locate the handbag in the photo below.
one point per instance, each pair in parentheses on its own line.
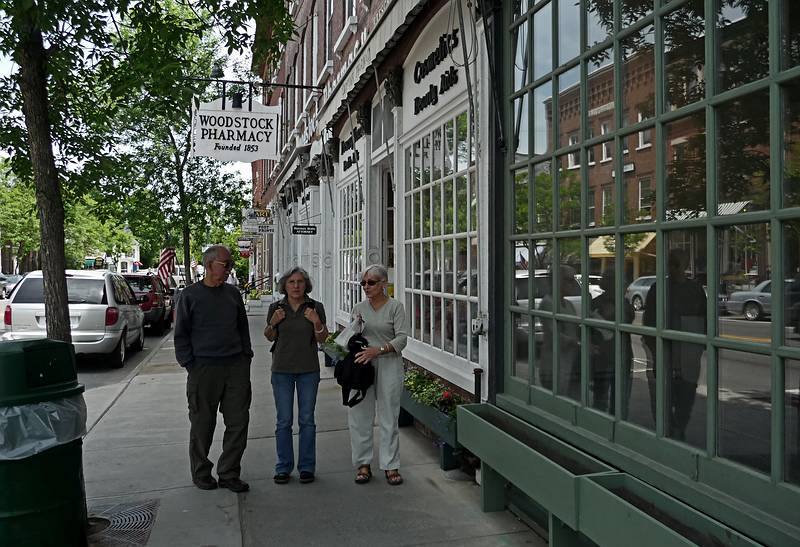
(354,376)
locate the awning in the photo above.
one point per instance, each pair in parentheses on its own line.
(603,246)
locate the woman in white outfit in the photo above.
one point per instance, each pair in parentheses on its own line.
(384,322)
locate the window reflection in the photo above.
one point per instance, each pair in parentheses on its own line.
(791,143)
(745,408)
(684,51)
(743,154)
(521,281)
(791,269)
(519,43)
(521,141)
(521,188)
(685,160)
(639,408)
(569,183)
(742,31)
(566,338)
(638,93)
(569,106)
(542,41)
(599,21)
(790,34)
(685,372)
(600,71)
(633,10)
(521,335)
(541,264)
(640,267)
(569,28)
(543,197)
(791,424)
(744,269)
(685,291)
(542,118)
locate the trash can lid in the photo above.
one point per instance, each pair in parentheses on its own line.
(33,371)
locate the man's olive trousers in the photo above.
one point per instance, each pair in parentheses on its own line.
(224,385)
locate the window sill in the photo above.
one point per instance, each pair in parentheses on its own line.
(644,146)
(327,69)
(606,160)
(573,167)
(350,26)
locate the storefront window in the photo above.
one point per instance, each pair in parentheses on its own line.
(351,235)
(444,247)
(685,337)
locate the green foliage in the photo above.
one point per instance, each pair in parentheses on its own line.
(427,390)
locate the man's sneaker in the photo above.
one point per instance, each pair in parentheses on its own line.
(234,485)
(306,477)
(205,483)
(281,478)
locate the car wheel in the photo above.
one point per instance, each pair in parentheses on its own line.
(117,356)
(138,345)
(752,311)
(637,303)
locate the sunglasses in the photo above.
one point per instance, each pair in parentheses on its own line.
(228,263)
(370,282)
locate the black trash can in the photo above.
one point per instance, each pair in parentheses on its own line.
(42,423)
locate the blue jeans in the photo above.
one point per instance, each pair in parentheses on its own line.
(283,387)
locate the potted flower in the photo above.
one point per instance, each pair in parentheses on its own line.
(266,295)
(253,299)
(433,404)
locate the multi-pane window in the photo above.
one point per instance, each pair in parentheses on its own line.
(441,238)
(713,276)
(351,237)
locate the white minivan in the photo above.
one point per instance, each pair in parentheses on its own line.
(104,313)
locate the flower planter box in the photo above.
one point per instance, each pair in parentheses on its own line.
(611,503)
(253,303)
(545,468)
(266,298)
(442,425)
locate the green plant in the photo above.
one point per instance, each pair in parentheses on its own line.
(253,295)
(427,390)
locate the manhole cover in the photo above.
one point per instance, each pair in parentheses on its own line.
(130,523)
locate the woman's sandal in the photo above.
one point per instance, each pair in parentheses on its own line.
(393,477)
(364,474)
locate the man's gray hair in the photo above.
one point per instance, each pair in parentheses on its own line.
(285,277)
(378,270)
(212,253)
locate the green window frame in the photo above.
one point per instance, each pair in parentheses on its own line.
(704,99)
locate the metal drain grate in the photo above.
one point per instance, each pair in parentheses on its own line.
(130,524)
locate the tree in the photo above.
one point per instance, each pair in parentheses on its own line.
(75,69)
(19,223)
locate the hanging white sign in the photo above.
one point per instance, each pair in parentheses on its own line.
(235,134)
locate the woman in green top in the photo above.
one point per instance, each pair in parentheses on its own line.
(295,324)
(384,321)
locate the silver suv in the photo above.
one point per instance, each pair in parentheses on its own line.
(104,313)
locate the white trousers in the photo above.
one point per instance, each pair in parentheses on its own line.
(386,392)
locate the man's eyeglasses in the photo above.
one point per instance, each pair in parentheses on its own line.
(228,264)
(370,282)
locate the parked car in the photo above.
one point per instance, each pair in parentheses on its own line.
(541,287)
(754,303)
(104,313)
(636,293)
(11,281)
(154,300)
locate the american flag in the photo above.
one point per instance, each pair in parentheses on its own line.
(166,263)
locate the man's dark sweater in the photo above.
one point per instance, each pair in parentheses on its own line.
(211,325)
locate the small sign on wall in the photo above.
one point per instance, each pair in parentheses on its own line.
(304,230)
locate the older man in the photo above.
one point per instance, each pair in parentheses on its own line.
(212,341)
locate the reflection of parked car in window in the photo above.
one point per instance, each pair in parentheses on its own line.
(104,313)
(541,287)
(154,300)
(757,302)
(636,293)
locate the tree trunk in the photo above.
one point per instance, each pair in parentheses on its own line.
(32,59)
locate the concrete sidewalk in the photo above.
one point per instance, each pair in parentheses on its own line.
(137,473)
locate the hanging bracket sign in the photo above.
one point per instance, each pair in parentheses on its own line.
(304,230)
(235,134)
